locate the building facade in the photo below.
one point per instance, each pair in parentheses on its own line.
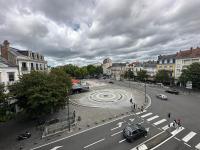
(151,68)
(24,59)
(118,70)
(106,64)
(8,72)
(167,62)
(186,58)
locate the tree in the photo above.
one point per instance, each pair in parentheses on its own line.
(129,74)
(163,76)
(3,103)
(192,73)
(91,70)
(39,93)
(142,75)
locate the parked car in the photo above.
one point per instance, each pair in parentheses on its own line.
(134,131)
(172,91)
(23,136)
(111,82)
(161,96)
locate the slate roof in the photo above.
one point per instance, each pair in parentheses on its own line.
(171,56)
(4,61)
(192,53)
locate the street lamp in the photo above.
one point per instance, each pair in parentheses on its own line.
(145,90)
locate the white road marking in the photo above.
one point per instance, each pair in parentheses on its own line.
(177,139)
(197,146)
(148,114)
(189,136)
(159,122)
(187,144)
(132,119)
(116,133)
(140,147)
(173,134)
(138,113)
(119,126)
(176,131)
(94,143)
(152,118)
(81,132)
(57,147)
(148,140)
(122,140)
(167,126)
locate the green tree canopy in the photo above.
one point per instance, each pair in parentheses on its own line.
(192,73)
(129,74)
(163,76)
(142,75)
(39,93)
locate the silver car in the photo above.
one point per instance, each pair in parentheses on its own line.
(161,96)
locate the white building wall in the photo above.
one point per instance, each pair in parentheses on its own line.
(181,64)
(4,74)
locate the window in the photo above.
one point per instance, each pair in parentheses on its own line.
(11,76)
(41,67)
(24,67)
(36,66)
(0,76)
(32,68)
(160,62)
(165,61)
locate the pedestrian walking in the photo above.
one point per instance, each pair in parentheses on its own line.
(169,115)
(131,101)
(174,123)
(142,108)
(179,123)
(134,106)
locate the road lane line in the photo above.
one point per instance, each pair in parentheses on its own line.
(152,118)
(176,131)
(167,126)
(116,133)
(187,144)
(148,114)
(159,122)
(122,140)
(82,131)
(177,139)
(197,146)
(114,128)
(94,143)
(135,148)
(141,112)
(189,136)
(140,147)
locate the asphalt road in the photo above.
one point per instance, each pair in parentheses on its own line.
(160,136)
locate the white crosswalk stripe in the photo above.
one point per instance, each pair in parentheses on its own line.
(148,114)
(138,113)
(167,126)
(152,118)
(189,136)
(176,131)
(160,121)
(197,146)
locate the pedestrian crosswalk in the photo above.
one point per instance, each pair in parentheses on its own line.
(163,124)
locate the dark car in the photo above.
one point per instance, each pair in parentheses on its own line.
(111,82)
(23,136)
(134,131)
(172,91)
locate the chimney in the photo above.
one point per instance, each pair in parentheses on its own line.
(4,49)
(191,48)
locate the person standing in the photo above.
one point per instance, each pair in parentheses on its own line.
(179,123)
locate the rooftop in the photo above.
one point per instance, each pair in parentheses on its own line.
(192,53)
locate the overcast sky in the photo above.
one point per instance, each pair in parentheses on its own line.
(87,31)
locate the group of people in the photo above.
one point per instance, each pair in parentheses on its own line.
(177,123)
(134,106)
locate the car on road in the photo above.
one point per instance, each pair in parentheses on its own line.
(161,96)
(172,91)
(134,131)
(111,82)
